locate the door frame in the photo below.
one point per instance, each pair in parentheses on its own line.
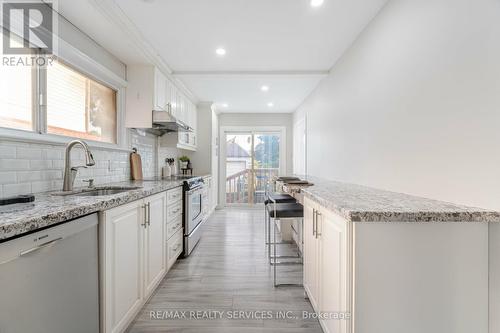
(246,130)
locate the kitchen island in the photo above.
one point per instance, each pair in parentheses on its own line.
(379,261)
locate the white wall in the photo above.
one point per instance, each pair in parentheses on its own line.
(414,105)
(267,119)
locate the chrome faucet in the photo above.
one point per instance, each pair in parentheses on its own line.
(69,171)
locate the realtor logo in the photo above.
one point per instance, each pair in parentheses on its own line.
(27,27)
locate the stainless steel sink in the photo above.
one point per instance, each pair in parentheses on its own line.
(98,191)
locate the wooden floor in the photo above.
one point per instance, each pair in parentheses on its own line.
(228,272)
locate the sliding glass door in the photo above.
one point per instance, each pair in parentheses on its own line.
(251,160)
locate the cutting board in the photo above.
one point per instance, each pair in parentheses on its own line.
(135,166)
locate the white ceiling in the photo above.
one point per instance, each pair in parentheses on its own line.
(242,92)
(285,44)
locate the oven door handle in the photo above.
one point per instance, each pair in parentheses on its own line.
(191,192)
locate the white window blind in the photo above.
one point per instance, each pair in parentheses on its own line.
(78,106)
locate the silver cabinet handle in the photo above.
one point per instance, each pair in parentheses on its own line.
(318,234)
(145,224)
(39,247)
(314,222)
(149,213)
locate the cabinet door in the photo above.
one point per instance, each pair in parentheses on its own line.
(310,255)
(160,91)
(174,250)
(122,265)
(155,241)
(332,235)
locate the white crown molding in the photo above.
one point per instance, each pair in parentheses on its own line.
(230,74)
(116,15)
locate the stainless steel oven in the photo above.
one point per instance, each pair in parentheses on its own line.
(193,213)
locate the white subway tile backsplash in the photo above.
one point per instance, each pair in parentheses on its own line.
(28,153)
(16,189)
(14,164)
(40,164)
(42,186)
(26,168)
(52,154)
(7,151)
(28,176)
(8,177)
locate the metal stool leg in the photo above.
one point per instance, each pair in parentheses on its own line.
(276,263)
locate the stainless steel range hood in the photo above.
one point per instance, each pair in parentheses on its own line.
(165,122)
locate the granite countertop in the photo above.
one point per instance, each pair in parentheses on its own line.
(359,203)
(48,209)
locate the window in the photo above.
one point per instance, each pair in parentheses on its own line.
(78,106)
(16,106)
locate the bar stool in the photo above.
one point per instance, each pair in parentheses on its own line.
(277,198)
(283,211)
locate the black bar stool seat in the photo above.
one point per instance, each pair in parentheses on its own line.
(282,179)
(279,198)
(286,210)
(279,212)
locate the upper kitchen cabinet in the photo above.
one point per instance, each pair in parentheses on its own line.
(185,111)
(146,91)
(149,89)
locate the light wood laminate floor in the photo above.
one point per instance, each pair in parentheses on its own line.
(227,272)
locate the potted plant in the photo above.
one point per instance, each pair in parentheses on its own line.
(184,160)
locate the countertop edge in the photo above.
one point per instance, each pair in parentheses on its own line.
(26,225)
(475,215)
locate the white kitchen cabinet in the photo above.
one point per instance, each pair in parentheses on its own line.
(210,194)
(174,248)
(146,91)
(122,237)
(326,271)
(193,118)
(174,234)
(155,241)
(333,276)
(311,254)
(396,277)
(160,91)
(186,112)
(133,258)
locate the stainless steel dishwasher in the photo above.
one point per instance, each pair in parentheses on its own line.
(49,280)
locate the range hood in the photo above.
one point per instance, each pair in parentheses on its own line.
(165,122)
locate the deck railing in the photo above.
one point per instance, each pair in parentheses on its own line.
(248,186)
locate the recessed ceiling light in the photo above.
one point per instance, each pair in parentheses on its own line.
(224,105)
(221,51)
(270,104)
(316,3)
(264,88)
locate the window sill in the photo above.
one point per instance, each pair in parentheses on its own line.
(50,139)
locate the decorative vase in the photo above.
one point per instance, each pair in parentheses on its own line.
(166,171)
(184,165)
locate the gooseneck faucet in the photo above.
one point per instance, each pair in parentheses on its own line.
(69,171)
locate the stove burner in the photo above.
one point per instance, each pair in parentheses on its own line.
(193,182)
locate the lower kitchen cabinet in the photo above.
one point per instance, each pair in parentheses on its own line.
(395,276)
(133,258)
(311,254)
(326,267)
(154,241)
(174,234)
(334,296)
(174,245)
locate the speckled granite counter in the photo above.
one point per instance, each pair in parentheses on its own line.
(364,204)
(48,209)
